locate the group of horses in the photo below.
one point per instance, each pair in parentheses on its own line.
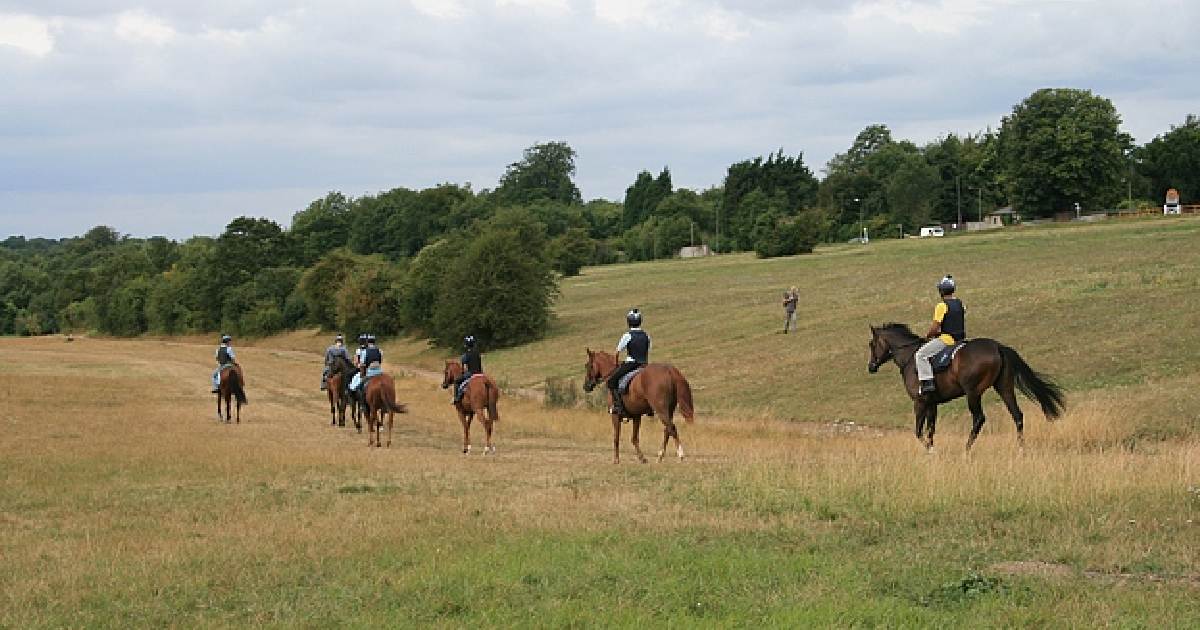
(660,389)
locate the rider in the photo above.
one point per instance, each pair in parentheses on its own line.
(949,327)
(373,361)
(472,364)
(362,349)
(225,358)
(637,344)
(338,349)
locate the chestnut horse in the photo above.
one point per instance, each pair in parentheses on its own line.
(654,391)
(381,400)
(480,397)
(981,364)
(231,387)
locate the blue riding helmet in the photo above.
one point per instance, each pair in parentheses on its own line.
(634,318)
(946,286)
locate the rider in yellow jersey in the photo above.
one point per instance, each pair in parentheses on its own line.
(949,327)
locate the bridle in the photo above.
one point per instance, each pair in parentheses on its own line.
(891,354)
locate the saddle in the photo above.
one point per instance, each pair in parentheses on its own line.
(463,386)
(623,384)
(941,361)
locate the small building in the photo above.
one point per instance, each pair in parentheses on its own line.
(1004,216)
(932,230)
(1172,202)
(695,252)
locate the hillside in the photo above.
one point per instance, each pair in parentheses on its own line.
(1112,311)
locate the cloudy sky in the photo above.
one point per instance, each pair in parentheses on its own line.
(173,117)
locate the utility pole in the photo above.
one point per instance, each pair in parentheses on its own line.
(958,196)
(980,189)
(860,215)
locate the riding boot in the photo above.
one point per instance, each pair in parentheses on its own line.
(928,387)
(618,406)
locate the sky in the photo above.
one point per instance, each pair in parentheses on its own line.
(174,117)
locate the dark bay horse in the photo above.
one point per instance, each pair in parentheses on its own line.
(232,386)
(656,390)
(381,400)
(337,385)
(981,364)
(479,397)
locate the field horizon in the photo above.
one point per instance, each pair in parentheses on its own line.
(805,499)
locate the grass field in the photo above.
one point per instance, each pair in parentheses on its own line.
(123,503)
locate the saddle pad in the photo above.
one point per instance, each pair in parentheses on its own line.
(941,361)
(623,385)
(463,386)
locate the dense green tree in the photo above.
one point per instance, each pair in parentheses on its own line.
(644,195)
(1172,160)
(777,175)
(425,282)
(546,171)
(501,287)
(1060,147)
(912,192)
(321,227)
(319,285)
(369,300)
(572,250)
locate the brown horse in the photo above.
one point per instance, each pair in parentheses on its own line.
(381,400)
(480,397)
(232,386)
(981,364)
(654,391)
(337,386)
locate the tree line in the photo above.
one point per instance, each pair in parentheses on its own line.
(447,260)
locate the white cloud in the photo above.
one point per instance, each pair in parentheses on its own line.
(141,27)
(442,9)
(27,33)
(945,17)
(548,6)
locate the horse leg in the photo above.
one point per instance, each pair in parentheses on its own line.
(637,427)
(218,406)
(931,422)
(975,404)
(616,420)
(391,417)
(332,409)
(465,419)
(1010,400)
(239,411)
(919,414)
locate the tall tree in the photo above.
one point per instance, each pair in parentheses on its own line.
(644,195)
(321,227)
(544,172)
(1060,147)
(1172,160)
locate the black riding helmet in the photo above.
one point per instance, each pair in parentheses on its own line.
(634,318)
(469,342)
(226,338)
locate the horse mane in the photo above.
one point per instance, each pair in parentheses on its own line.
(902,331)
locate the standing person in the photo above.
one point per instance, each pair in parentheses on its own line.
(225,358)
(636,343)
(790,298)
(949,327)
(472,363)
(338,349)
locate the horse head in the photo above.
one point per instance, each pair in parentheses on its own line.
(599,365)
(451,372)
(881,350)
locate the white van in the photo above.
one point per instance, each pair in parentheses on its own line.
(933,230)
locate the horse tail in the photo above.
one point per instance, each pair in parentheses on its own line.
(388,396)
(1033,384)
(683,394)
(493,395)
(235,386)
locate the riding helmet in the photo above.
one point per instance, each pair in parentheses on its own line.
(226,338)
(469,341)
(337,339)
(370,338)
(362,339)
(946,285)
(634,318)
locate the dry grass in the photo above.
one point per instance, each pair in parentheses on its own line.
(125,503)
